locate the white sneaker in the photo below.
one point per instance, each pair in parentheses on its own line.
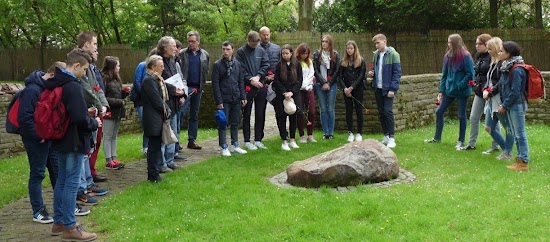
(303,139)
(311,139)
(225,152)
(293,145)
(285,147)
(350,137)
(358,137)
(385,140)
(391,143)
(250,146)
(260,145)
(237,149)
(459,145)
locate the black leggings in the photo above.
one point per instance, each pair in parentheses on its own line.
(354,104)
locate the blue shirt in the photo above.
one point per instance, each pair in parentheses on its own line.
(194,68)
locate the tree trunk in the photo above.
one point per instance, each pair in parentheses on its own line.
(493,16)
(305,9)
(538,14)
(115,23)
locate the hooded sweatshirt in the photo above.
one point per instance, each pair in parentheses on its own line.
(34,85)
(79,133)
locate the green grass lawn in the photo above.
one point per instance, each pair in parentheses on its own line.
(459,195)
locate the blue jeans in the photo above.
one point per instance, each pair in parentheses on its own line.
(440,121)
(194,105)
(40,156)
(86,179)
(233,114)
(327,100)
(516,116)
(145,142)
(491,122)
(64,196)
(170,150)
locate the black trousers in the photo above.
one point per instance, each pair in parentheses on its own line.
(259,98)
(154,157)
(385,112)
(351,105)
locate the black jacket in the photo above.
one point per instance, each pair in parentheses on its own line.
(115,96)
(289,86)
(255,62)
(482,64)
(334,64)
(228,89)
(79,133)
(153,106)
(34,85)
(351,76)
(273,53)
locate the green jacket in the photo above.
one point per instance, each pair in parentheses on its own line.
(93,94)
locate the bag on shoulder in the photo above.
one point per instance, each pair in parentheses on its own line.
(12,123)
(168,135)
(50,117)
(534,88)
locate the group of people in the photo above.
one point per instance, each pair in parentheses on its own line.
(499,94)
(260,72)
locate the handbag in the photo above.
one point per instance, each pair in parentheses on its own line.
(168,136)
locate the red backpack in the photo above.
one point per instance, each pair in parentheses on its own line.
(50,116)
(534,88)
(12,123)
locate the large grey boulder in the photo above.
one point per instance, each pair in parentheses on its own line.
(367,161)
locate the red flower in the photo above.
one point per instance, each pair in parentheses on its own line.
(270,73)
(371,66)
(471,83)
(489,89)
(96,88)
(247,88)
(437,103)
(329,78)
(126,89)
(195,90)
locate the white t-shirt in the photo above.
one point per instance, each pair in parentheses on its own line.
(379,71)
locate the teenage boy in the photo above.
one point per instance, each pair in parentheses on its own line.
(39,151)
(255,63)
(73,146)
(194,67)
(229,95)
(386,76)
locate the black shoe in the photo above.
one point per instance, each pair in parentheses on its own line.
(165,169)
(180,158)
(193,146)
(154,180)
(100,178)
(180,147)
(174,166)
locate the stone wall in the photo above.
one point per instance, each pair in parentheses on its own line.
(414,107)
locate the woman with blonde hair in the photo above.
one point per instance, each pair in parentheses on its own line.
(350,76)
(456,81)
(492,96)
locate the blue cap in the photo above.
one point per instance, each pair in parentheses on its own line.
(220,118)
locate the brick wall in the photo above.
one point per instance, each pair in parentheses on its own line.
(414,107)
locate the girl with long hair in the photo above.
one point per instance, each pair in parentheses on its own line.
(287,83)
(325,62)
(492,96)
(115,95)
(456,83)
(303,54)
(350,78)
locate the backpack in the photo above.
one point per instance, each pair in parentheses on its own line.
(50,116)
(12,123)
(534,88)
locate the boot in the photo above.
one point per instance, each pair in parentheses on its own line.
(57,229)
(76,233)
(520,165)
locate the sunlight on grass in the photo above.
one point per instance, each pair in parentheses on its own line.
(459,195)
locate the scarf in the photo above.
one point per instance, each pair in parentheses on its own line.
(229,65)
(325,55)
(161,82)
(507,64)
